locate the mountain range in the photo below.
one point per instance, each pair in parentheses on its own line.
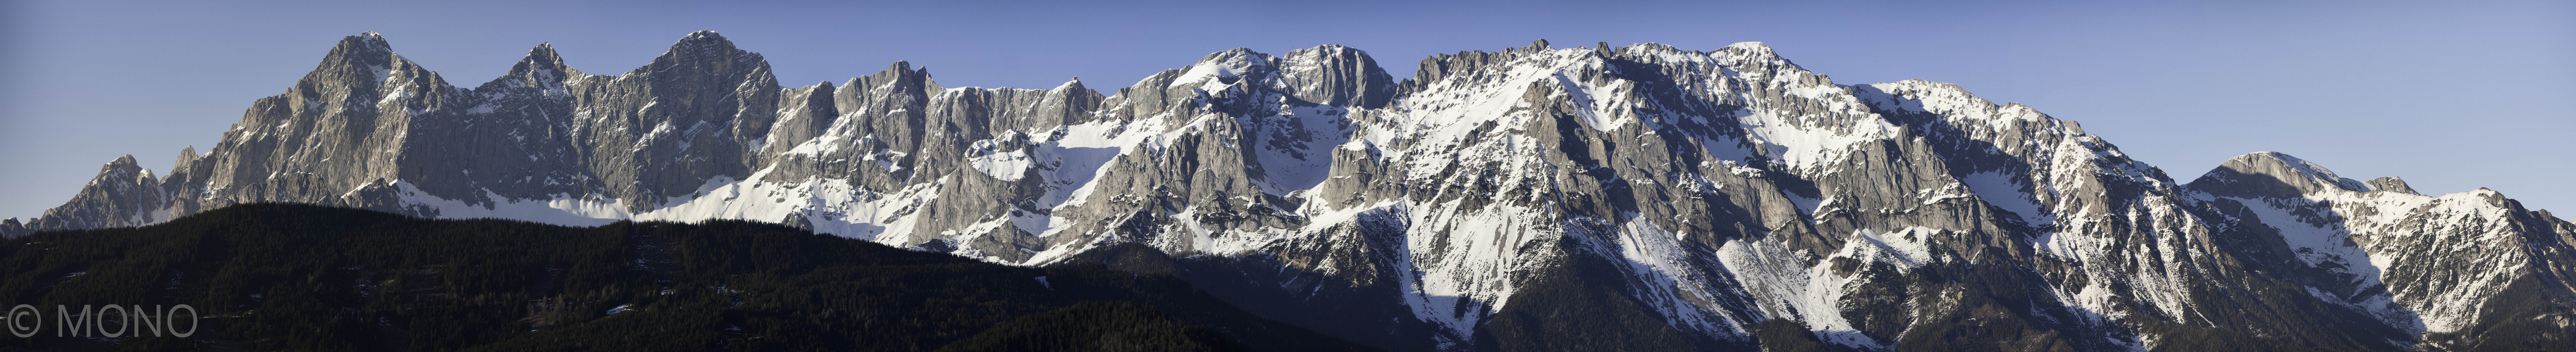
(1642,197)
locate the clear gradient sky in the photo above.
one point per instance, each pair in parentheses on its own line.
(2451,95)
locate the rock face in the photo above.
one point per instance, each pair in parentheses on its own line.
(1640,198)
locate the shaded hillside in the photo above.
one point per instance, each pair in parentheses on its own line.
(294,277)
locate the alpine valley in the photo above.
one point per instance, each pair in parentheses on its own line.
(1539,198)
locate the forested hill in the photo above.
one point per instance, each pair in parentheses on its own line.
(295,277)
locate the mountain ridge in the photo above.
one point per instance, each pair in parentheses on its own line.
(1726,189)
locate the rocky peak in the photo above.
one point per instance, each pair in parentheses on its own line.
(1648,52)
(705,53)
(899,74)
(1437,68)
(186,156)
(803,113)
(1752,48)
(363,72)
(2272,174)
(1067,103)
(363,44)
(1072,85)
(1755,54)
(1337,75)
(1916,95)
(703,40)
(1224,68)
(819,95)
(364,57)
(541,68)
(2390,184)
(543,53)
(899,85)
(123,167)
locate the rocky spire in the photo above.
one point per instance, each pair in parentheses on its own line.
(1072,83)
(122,167)
(355,56)
(363,43)
(541,68)
(123,194)
(187,156)
(1067,103)
(703,51)
(804,113)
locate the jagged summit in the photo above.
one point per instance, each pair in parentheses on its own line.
(904,66)
(899,75)
(1223,69)
(123,165)
(183,167)
(366,51)
(1337,75)
(704,38)
(703,47)
(2272,174)
(367,41)
(543,53)
(1754,52)
(542,68)
(1753,49)
(2390,184)
(1653,48)
(1235,60)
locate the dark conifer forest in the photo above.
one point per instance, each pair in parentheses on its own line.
(295,277)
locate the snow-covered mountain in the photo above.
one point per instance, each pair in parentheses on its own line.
(1643,197)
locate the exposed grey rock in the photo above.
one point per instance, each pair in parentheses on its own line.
(2272,174)
(123,194)
(663,130)
(1338,76)
(804,113)
(2390,184)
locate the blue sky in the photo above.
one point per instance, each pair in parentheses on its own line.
(2450,95)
